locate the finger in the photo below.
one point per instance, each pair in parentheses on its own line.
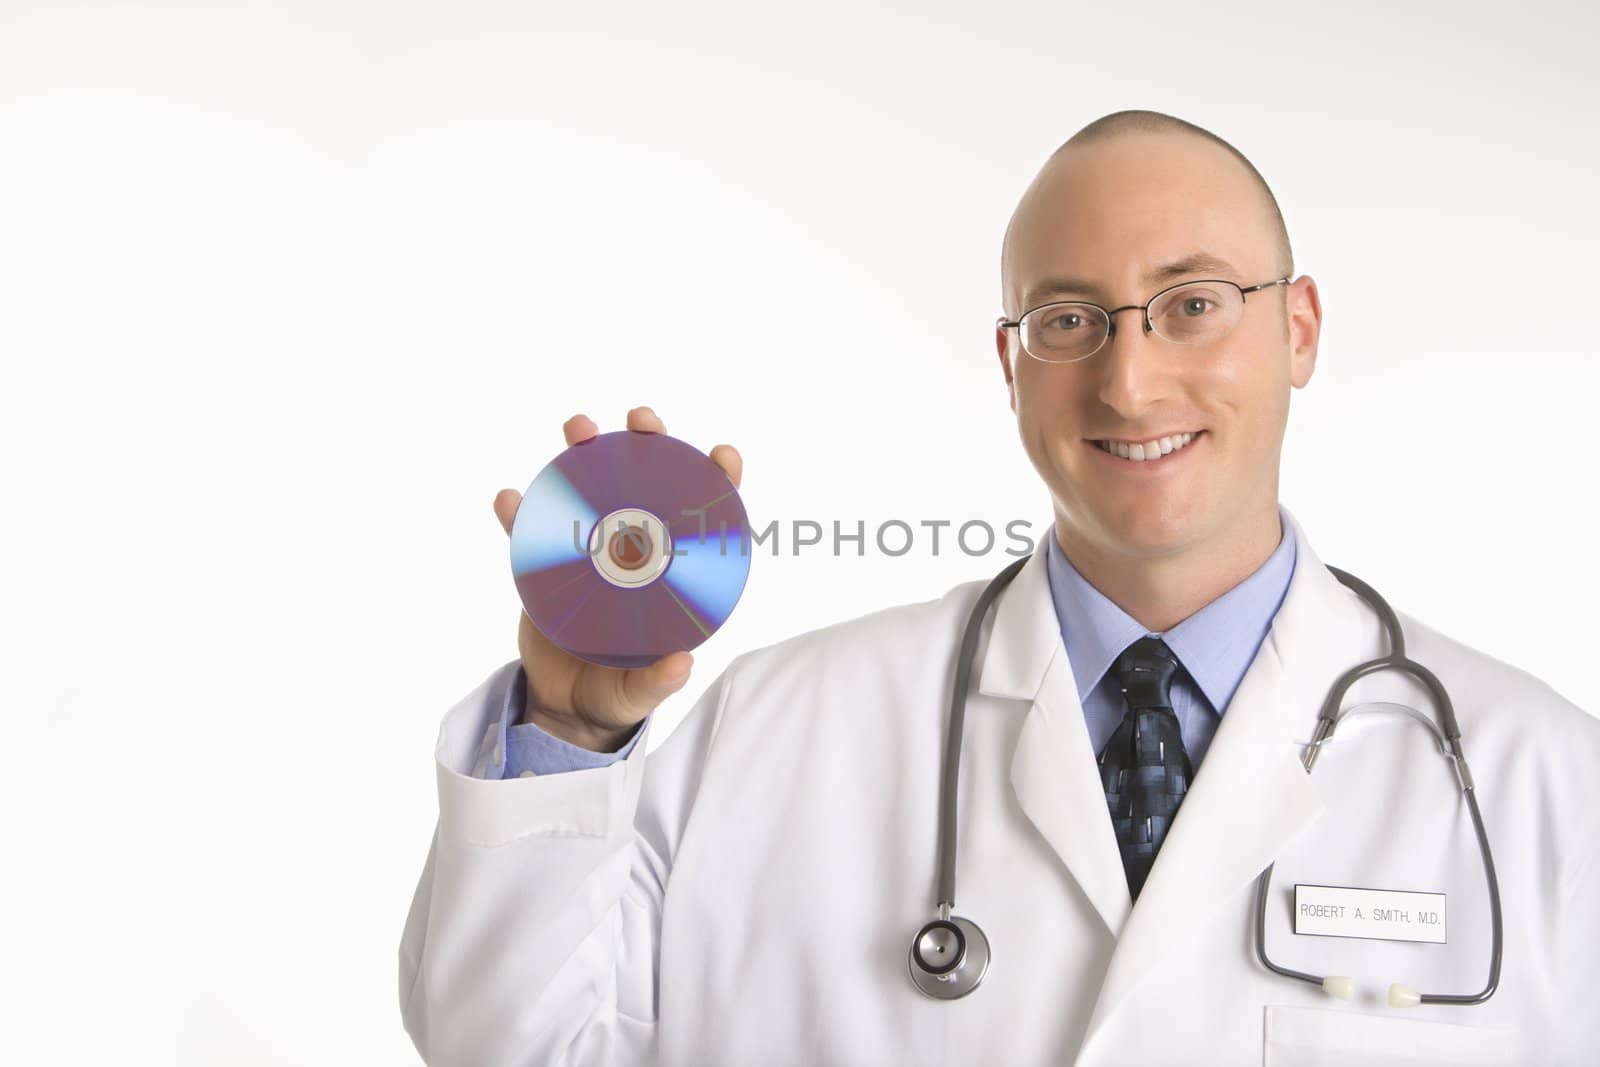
(643,418)
(579,428)
(506,503)
(727,457)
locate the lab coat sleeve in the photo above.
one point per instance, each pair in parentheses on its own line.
(1581,947)
(534,932)
(1575,920)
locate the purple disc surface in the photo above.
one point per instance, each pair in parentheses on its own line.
(630,546)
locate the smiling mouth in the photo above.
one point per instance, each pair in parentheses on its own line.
(1148,451)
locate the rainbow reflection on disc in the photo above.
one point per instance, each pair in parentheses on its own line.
(630,546)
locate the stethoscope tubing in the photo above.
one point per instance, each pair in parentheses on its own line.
(1327,720)
(952,747)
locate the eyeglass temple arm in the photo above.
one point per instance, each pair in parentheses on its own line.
(1264,285)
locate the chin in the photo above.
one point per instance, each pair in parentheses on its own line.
(1149,533)
(1153,525)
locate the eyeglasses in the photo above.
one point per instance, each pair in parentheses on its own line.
(1189,313)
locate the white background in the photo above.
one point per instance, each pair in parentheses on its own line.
(289,291)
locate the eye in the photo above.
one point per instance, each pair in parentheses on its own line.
(1195,306)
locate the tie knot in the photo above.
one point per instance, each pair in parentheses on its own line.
(1145,671)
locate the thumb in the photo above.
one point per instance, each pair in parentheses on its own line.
(646,687)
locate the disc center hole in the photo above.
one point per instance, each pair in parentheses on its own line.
(630,547)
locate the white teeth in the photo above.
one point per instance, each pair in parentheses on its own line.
(1147,449)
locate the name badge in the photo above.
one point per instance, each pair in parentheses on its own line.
(1382,914)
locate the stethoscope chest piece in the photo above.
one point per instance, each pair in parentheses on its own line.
(948,958)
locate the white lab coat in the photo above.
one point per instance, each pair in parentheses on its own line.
(748,893)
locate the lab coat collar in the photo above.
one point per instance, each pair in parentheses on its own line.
(1250,797)
(1053,768)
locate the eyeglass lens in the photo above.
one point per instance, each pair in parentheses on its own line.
(1190,314)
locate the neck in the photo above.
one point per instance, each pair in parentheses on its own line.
(1160,591)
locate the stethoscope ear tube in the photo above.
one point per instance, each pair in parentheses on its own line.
(1449,733)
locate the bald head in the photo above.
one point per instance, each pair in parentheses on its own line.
(1152,149)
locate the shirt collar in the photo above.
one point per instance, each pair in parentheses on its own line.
(1216,644)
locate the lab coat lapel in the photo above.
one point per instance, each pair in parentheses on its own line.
(1251,794)
(1053,768)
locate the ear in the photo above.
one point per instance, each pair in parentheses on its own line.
(1304,308)
(1002,344)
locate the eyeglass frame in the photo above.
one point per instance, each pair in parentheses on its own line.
(1111,323)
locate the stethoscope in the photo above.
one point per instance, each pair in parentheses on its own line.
(950,955)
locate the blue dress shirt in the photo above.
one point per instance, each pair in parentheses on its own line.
(1216,645)
(526,748)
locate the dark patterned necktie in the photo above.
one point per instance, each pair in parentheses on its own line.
(1144,767)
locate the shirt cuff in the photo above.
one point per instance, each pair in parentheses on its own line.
(526,749)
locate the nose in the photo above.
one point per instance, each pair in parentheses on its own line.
(1132,374)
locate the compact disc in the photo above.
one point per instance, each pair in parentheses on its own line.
(630,546)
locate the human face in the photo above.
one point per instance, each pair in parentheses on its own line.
(1110,216)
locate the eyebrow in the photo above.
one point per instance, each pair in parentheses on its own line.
(1193,263)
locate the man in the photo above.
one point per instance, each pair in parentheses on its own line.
(1135,723)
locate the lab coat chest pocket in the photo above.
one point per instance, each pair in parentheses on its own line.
(1323,1037)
